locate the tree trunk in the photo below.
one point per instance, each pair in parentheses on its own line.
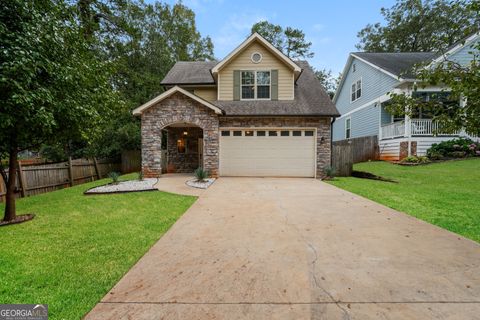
(10,210)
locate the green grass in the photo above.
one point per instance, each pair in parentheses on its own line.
(446,194)
(77,247)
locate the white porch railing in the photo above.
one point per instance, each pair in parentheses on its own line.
(393,130)
(418,127)
(427,127)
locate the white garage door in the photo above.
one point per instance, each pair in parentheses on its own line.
(267,153)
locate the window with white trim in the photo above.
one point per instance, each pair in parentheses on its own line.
(255,85)
(356,90)
(348,128)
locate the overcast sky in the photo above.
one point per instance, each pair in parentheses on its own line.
(331,26)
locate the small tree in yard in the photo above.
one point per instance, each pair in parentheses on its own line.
(52,87)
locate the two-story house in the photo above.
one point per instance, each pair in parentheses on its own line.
(364,90)
(254,113)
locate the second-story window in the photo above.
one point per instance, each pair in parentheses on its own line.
(255,84)
(356,90)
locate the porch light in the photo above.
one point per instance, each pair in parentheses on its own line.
(185,133)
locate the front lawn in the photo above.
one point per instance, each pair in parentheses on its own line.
(445,194)
(78,247)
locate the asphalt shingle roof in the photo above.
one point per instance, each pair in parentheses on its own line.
(398,63)
(190,72)
(311,99)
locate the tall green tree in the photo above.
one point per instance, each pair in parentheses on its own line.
(458,106)
(155,37)
(52,86)
(290,41)
(418,25)
(328,81)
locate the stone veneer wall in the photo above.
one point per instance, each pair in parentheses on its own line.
(183,162)
(177,109)
(322,124)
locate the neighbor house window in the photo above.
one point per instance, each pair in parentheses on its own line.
(348,128)
(356,90)
(255,84)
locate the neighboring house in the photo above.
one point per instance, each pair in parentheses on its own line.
(364,90)
(255,113)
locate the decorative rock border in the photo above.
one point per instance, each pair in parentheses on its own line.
(200,184)
(147,184)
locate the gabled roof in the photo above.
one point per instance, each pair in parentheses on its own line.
(168,93)
(398,64)
(439,57)
(190,72)
(256,37)
(311,99)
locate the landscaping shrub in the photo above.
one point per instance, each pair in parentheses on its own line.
(140,175)
(456,148)
(415,159)
(201,174)
(114,176)
(330,172)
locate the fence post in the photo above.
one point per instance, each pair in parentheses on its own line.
(21,179)
(70,171)
(96,168)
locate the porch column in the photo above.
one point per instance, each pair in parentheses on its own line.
(408,126)
(151,148)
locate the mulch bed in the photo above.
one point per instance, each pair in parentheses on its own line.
(18,219)
(371,176)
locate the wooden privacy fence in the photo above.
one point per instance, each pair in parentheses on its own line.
(132,161)
(34,179)
(342,159)
(347,152)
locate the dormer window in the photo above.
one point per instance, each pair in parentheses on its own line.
(255,85)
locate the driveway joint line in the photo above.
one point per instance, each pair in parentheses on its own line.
(289,303)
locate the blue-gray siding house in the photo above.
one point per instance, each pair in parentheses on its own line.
(366,83)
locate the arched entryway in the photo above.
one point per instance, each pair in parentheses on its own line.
(182,147)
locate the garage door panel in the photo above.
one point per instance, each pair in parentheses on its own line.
(267,156)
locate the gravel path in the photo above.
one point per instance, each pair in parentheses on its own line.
(126,186)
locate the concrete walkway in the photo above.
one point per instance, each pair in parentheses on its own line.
(253,248)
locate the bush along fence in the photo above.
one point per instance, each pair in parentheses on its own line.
(34,178)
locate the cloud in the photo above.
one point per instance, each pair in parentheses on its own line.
(318,27)
(235,30)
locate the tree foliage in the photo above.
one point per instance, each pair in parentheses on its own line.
(458,106)
(290,41)
(52,86)
(419,25)
(328,81)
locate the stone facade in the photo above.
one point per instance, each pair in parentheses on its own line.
(321,124)
(177,109)
(189,160)
(404,149)
(181,109)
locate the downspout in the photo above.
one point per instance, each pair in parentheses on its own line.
(331,140)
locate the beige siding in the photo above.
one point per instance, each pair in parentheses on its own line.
(243,62)
(209,94)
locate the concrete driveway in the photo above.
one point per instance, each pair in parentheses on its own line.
(253,248)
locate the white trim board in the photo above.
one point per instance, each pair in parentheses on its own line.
(256,37)
(380,99)
(168,93)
